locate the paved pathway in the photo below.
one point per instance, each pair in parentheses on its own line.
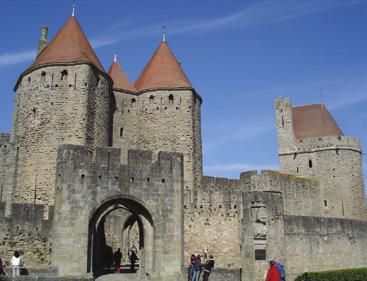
(120,277)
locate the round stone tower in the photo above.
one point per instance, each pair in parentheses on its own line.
(312,145)
(124,119)
(167,110)
(63,97)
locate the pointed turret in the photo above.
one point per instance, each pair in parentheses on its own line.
(120,79)
(70,45)
(162,72)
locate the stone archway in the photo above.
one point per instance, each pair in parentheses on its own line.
(97,246)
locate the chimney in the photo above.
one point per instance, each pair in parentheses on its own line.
(43,43)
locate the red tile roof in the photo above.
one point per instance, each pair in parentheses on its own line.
(162,71)
(69,45)
(313,121)
(120,79)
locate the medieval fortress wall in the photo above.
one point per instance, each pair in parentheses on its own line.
(78,145)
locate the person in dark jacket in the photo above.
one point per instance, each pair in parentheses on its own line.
(273,273)
(133,258)
(209,264)
(197,268)
(117,256)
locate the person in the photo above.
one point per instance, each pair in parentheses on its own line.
(15,262)
(273,273)
(190,271)
(209,264)
(133,257)
(280,268)
(2,268)
(117,256)
(205,252)
(197,268)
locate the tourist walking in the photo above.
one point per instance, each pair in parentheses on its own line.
(208,266)
(133,258)
(117,256)
(15,262)
(273,273)
(197,268)
(2,267)
(190,271)
(280,268)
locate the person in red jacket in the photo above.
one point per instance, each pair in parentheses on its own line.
(273,272)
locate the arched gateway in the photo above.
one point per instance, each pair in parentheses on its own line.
(151,191)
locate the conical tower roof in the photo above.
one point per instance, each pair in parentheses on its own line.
(120,79)
(69,45)
(162,71)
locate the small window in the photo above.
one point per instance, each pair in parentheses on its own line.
(325,203)
(282,122)
(121,132)
(310,163)
(170,98)
(64,74)
(260,255)
(151,99)
(132,101)
(34,110)
(43,76)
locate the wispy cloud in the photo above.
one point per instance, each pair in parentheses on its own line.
(262,13)
(245,132)
(239,167)
(16,57)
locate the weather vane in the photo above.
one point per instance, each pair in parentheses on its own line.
(164,33)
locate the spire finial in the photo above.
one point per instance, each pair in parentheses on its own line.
(164,34)
(115,57)
(73,12)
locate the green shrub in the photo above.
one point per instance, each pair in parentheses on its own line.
(355,274)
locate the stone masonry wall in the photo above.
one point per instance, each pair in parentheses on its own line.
(167,120)
(51,109)
(334,161)
(317,244)
(26,231)
(215,222)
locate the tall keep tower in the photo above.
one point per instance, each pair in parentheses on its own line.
(167,110)
(312,145)
(63,97)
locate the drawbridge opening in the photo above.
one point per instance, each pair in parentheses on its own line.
(122,224)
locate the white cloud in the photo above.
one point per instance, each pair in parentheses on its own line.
(262,13)
(16,57)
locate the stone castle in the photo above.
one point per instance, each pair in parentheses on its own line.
(95,162)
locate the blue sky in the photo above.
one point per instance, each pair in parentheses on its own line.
(239,55)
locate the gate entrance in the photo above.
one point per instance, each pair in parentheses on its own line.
(120,224)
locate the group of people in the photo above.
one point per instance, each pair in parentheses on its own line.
(117,257)
(276,271)
(196,267)
(16,262)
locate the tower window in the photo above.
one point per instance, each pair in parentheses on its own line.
(34,110)
(170,98)
(325,203)
(282,121)
(151,99)
(43,75)
(132,101)
(64,74)
(121,132)
(310,163)
(29,79)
